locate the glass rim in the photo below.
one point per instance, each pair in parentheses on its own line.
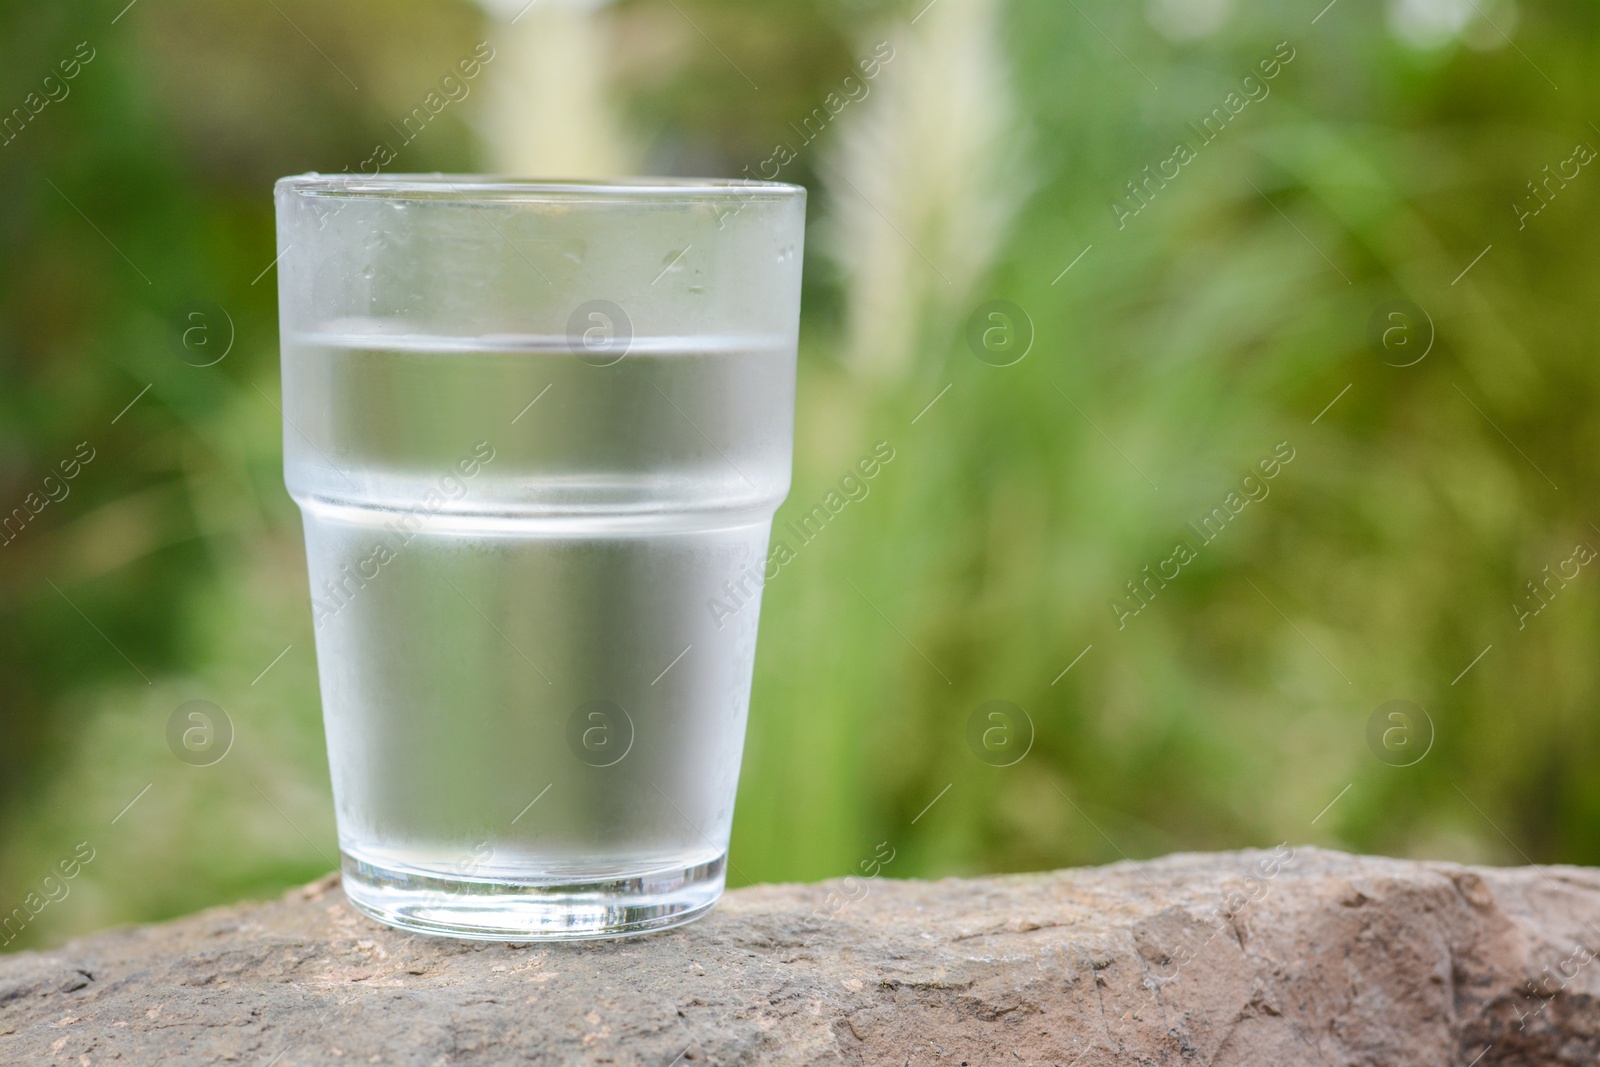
(479,188)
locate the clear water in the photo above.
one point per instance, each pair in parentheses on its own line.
(488,576)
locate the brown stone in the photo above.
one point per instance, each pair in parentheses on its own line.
(1235,958)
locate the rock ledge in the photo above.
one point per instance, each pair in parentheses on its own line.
(1283,957)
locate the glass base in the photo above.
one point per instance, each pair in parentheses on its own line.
(510,911)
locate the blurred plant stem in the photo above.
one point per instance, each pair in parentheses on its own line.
(550,113)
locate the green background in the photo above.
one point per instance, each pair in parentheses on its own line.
(1185,345)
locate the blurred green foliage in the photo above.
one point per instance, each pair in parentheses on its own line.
(1188,341)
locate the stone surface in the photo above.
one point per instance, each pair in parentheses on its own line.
(1284,957)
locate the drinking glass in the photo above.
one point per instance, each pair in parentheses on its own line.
(537,432)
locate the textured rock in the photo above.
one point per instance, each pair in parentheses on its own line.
(1239,958)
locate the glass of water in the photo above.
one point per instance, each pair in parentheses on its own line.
(537,432)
